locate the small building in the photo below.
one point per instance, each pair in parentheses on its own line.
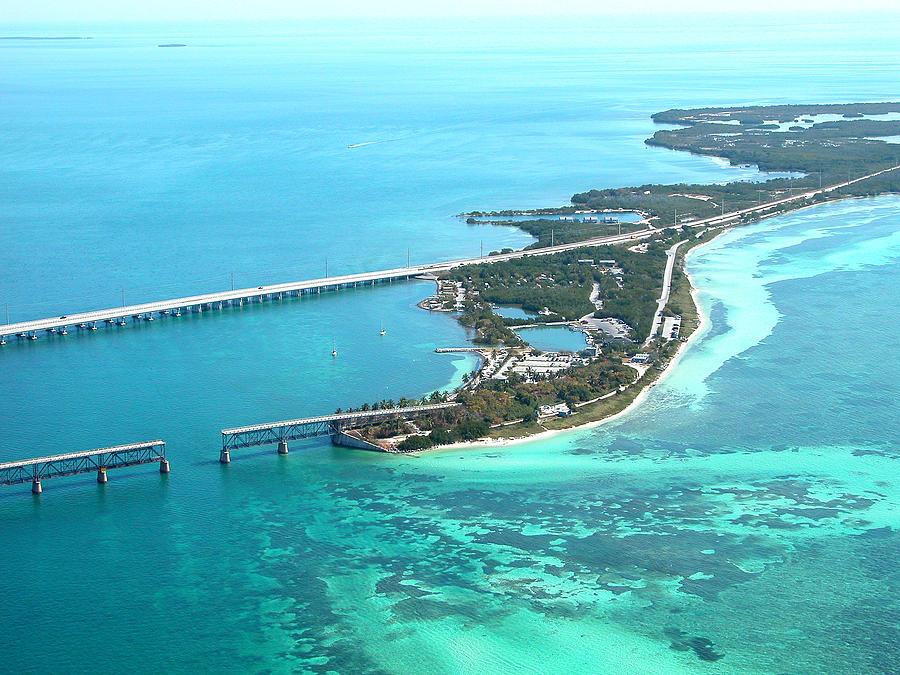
(558,410)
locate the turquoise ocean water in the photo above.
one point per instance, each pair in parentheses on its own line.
(742,519)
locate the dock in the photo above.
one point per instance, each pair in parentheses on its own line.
(311,427)
(71,463)
(461,350)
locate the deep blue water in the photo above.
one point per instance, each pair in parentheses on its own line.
(751,500)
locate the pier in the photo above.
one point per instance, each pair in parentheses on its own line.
(461,350)
(311,427)
(69,464)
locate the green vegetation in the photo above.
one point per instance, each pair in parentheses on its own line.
(465,430)
(827,153)
(600,410)
(498,401)
(402,402)
(549,232)
(489,328)
(555,281)
(628,288)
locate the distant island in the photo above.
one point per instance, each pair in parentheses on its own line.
(42,37)
(636,317)
(173,44)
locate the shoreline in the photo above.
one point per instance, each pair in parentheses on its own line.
(703,322)
(702,326)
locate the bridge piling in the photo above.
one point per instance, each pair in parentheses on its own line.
(97,461)
(281,433)
(164,466)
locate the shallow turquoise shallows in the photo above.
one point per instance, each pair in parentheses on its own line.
(742,519)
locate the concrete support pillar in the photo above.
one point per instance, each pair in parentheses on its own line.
(101,476)
(282,447)
(36,488)
(225,457)
(164,466)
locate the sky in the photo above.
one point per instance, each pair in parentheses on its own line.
(80,11)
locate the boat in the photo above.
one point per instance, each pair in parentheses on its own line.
(383,331)
(333,350)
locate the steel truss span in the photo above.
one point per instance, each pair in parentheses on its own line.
(68,464)
(312,427)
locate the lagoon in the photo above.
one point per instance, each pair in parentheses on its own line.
(553,338)
(512,312)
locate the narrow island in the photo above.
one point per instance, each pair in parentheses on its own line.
(632,302)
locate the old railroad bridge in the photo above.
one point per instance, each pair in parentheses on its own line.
(38,469)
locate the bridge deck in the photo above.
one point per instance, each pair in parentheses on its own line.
(311,427)
(340,417)
(113,313)
(195,300)
(37,469)
(53,323)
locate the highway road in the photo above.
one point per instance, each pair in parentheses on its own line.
(145,311)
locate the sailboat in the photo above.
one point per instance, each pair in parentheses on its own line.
(383,331)
(333,349)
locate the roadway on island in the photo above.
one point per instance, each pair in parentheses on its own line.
(88,318)
(349,280)
(671,255)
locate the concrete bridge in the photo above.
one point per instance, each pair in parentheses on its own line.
(121,316)
(71,463)
(60,325)
(151,311)
(311,427)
